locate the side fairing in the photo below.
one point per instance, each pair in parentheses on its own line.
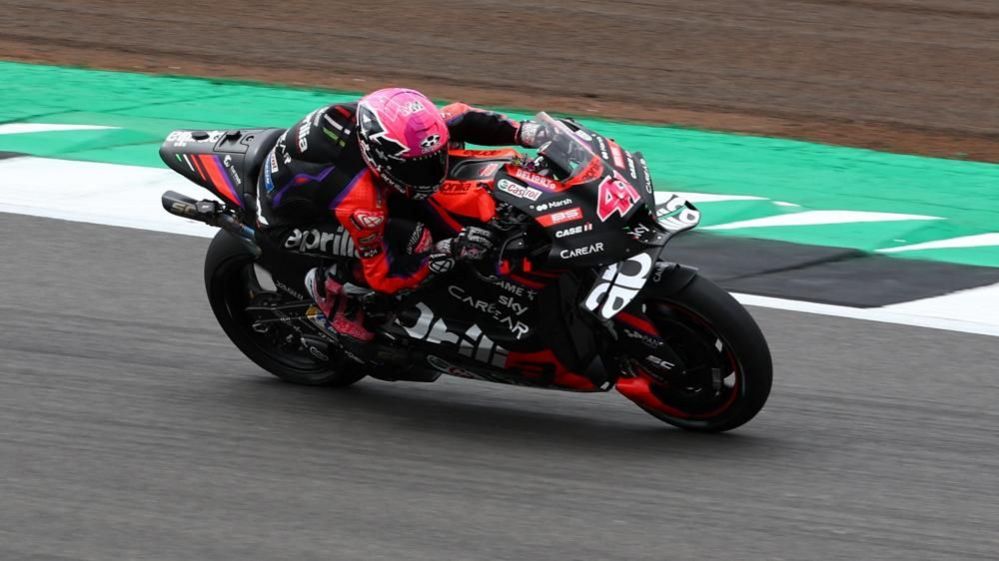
(500,331)
(584,231)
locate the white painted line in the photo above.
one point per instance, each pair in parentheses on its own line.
(819,217)
(982,304)
(940,317)
(129,196)
(114,195)
(977,240)
(713,198)
(23,128)
(663,196)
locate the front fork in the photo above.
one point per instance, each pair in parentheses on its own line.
(641,354)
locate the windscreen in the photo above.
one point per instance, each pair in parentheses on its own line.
(564,148)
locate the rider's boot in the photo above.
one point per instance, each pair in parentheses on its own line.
(343,314)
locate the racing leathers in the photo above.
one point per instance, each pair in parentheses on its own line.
(317,196)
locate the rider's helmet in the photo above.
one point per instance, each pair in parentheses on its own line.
(403,140)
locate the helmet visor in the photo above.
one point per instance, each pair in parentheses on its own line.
(423,174)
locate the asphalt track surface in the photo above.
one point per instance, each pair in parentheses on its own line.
(130,428)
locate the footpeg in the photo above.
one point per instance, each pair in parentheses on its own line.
(316,347)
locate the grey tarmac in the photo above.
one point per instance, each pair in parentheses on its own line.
(130,428)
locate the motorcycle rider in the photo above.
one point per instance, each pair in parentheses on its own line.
(344,182)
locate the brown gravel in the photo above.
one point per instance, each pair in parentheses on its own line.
(913,76)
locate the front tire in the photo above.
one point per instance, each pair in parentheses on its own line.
(728,372)
(231,283)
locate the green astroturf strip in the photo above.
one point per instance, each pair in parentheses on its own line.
(145,108)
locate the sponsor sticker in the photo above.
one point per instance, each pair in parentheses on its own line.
(573,230)
(533,178)
(646,176)
(182,138)
(369,251)
(454,187)
(581,251)
(632,172)
(411,107)
(553,205)
(489,170)
(616,154)
(647,340)
(518,190)
(506,315)
(561,217)
(602,145)
(227,162)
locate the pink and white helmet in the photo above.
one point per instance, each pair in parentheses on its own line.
(403,140)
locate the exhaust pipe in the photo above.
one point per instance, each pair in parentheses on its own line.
(180,205)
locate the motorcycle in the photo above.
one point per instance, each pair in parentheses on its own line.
(581,295)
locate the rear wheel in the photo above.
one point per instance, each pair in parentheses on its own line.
(727,371)
(233,287)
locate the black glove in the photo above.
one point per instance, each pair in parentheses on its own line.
(472,244)
(532,134)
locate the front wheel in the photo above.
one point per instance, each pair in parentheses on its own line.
(727,369)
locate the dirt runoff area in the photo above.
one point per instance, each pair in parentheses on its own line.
(911,76)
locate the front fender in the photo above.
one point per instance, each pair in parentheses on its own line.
(668,278)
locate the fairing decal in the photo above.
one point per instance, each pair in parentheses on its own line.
(219,178)
(620,283)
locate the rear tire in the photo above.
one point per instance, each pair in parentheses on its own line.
(714,331)
(230,282)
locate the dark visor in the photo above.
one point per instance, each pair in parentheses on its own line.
(425,171)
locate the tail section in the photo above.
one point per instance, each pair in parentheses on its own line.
(224,162)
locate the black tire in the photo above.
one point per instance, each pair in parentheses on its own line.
(707,308)
(227,265)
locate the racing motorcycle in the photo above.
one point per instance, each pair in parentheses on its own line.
(580,295)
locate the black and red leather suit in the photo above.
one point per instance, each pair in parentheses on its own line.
(316,195)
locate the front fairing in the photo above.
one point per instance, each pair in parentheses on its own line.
(620,283)
(591,198)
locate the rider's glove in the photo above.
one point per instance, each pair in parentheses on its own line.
(472,244)
(532,134)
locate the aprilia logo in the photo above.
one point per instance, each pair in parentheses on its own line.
(368,220)
(619,284)
(472,343)
(615,196)
(331,243)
